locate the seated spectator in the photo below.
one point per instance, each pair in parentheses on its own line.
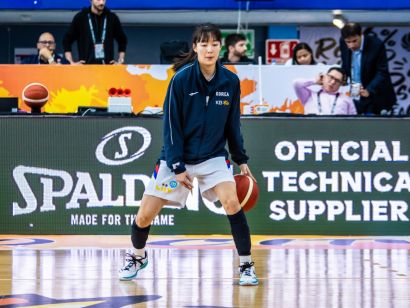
(235,45)
(302,55)
(46,46)
(328,100)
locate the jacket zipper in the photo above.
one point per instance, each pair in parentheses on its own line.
(203,127)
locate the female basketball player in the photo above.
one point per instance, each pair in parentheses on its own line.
(201,113)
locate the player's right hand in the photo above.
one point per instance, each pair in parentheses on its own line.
(185,180)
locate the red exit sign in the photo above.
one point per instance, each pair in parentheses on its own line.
(279,51)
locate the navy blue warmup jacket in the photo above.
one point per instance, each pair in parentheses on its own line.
(200,116)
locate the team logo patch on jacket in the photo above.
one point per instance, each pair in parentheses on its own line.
(222,102)
(220,93)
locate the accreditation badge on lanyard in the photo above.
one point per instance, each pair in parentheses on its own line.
(99,51)
(98,47)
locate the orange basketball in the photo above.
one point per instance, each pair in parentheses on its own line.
(247,190)
(35,95)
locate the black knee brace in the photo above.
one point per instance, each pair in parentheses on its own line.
(139,235)
(240,232)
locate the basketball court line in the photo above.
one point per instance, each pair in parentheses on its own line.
(213,242)
(201,272)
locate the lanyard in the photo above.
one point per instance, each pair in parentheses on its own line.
(92,29)
(319,104)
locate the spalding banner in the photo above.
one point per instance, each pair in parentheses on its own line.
(330,176)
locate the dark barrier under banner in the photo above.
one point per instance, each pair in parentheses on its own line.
(209,4)
(73,175)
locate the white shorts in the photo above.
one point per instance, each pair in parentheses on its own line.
(208,173)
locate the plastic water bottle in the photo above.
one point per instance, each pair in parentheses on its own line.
(355,91)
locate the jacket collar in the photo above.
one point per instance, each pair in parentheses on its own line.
(204,85)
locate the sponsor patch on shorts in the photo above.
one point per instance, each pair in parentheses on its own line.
(167,187)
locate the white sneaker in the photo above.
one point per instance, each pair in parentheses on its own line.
(247,275)
(132,265)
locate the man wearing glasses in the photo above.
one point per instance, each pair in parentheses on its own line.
(46,45)
(327,100)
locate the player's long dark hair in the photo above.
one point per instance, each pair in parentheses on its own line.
(202,33)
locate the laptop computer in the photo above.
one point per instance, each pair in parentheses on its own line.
(9,104)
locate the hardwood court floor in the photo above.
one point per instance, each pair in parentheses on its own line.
(201,271)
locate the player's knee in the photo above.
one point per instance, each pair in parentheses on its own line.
(143,221)
(231,205)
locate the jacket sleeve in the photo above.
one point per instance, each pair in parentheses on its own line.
(301,89)
(173,128)
(72,34)
(233,129)
(119,34)
(382,71)
(345,54)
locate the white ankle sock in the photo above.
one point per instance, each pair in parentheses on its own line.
(244,259)
(140,252)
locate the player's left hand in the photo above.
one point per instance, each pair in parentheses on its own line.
(246,171)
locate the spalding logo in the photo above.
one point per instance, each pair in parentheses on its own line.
(123,156)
